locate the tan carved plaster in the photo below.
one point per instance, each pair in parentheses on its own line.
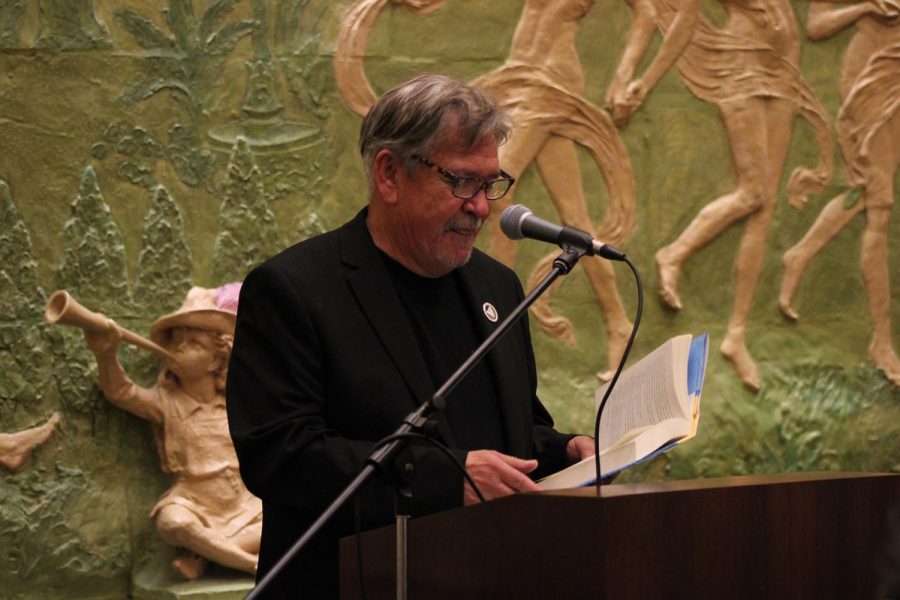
(207,511)
(868,130)
(16,448)
(540,85)
(748,69)
(350,51)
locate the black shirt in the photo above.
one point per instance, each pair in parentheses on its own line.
(442,320)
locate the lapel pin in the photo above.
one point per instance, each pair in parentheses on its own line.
(490,312)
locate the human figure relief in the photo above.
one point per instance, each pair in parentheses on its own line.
(350,50)
(868,130)
(207,510)
(748,69)
(539,85)
(16,448)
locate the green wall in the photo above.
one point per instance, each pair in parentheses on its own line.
(101,105)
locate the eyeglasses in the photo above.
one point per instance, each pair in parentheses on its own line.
(465,188)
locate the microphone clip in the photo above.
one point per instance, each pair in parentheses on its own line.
(570,256)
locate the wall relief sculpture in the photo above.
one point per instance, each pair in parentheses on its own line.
(207,510)
(248,234)
(190,61)
(749,70)
(16,448)
(19,282)
(183,63)
(263,125)
(868,130)
(165,263)
(70,25)
(114,186)
(540,85)
(93,260)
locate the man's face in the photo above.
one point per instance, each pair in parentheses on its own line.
(433,229)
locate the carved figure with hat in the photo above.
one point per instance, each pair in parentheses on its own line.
(207,510)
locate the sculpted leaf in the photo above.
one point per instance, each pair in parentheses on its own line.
(224,41)
(211,16)
(145,33)
(148,87)
(180,17)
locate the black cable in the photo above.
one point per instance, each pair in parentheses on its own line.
(615,378)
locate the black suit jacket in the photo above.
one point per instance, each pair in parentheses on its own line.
(325,363)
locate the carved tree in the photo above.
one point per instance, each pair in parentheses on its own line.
(247,231)
(22,362)
(21,295)
(190,58)
(184,63)
(165,262)
(298,32)
(93,263)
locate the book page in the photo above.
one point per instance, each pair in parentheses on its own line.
(648,392)
(641,446)
(655,406)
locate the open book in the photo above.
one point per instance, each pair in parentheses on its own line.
(654,406)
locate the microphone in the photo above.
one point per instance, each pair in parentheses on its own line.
(519,222)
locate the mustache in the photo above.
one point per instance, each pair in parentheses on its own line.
(465,222)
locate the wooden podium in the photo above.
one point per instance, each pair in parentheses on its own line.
(801,535)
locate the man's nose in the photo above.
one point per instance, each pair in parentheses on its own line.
(478,205)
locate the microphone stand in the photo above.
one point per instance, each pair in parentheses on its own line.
(417,420)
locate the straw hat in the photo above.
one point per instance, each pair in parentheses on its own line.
(212,309)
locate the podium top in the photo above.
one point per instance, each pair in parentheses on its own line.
(687,485)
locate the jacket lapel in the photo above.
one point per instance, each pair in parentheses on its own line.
(506,373)
(368,278)
(371,285)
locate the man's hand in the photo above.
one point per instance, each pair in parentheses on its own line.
(579,448)
(497,475)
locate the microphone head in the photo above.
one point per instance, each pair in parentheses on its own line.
(511,221)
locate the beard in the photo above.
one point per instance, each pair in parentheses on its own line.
(450,257)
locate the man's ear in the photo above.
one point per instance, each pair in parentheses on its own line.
(385,175)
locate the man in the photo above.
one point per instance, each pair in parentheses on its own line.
(341,336)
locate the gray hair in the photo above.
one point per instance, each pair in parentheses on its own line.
(417,116)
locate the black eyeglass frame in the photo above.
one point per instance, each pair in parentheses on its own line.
(454,180)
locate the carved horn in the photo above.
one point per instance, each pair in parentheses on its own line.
(63,309)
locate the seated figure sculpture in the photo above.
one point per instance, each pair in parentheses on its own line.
(208,510)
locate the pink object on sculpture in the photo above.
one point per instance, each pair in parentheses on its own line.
(227,296)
